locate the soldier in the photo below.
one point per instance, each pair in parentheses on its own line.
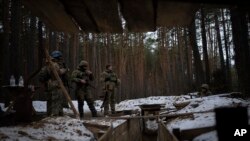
(64,77)
(54,93)
(82,76)
(110,82)
(204,90)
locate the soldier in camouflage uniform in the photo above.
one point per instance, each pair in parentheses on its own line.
(204,90)
(54,93)
(65,79)
(110,82)
(82,76)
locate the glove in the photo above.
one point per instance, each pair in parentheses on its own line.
(83,81)
(88,72)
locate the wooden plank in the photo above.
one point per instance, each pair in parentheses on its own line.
(96,131)
(134,129)
(78,10)
(189,134)
(226,124)
(171,13)
(151,116)
(61,85)
(164,134)
(127,131)
(139,15)
(103,127)
(105,13)
(121,132)
(53,14)
(107,136)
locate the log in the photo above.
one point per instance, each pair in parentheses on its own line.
(64,90)
(156,116)
(103,127)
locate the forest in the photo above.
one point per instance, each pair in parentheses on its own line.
(213,49)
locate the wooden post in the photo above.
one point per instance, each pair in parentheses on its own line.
(228,120)
(65,93)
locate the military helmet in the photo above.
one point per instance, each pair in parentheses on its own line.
(56,54)
(205,86)
(83,63)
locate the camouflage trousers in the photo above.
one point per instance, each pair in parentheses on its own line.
(55,102)
(85,95)
(110,100)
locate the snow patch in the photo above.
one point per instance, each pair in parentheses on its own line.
(50,128)
(197,121)
(209,136)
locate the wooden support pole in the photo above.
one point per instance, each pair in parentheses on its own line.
(65,92)
(148,117)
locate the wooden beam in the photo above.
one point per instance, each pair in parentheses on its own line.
(139,15)
(171,14)
(53,14)
(99,126)
(64,90)
(79,11)
(217,2)
(226,124)
(149,117)
(164,134)
(106,15)
(190,134)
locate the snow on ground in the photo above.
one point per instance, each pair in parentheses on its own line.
(197,121)
(50,128)
(40,106)
(152,125)
(66,127)
(106,122)
(202,105)
(132,104)
(205,119)
(209,136)
(210,103)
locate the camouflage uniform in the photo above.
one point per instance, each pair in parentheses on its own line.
(53,91)
(204,90)
(110,82)
(82,90)
(65,80)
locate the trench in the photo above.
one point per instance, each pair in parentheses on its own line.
(129,130)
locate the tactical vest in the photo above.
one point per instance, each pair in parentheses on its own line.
(111,83)
(82,75)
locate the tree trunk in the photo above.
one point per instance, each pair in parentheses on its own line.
(108,48)
(228,67)
(5,48)
(204,45)
(73,51)
(221,54)
(189,78)
(241,47)
(94,60)
(31,46)
(199,73)
(15,51)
